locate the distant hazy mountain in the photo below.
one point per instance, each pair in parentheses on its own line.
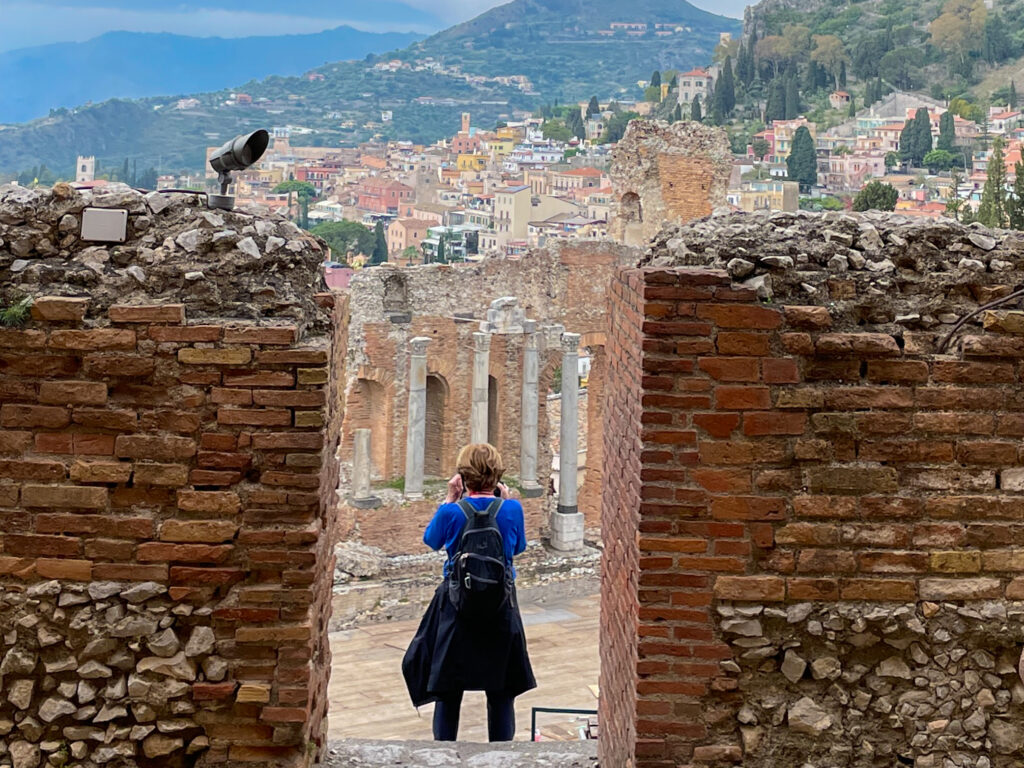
(567,48)
(136,65)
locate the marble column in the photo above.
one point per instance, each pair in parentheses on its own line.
(567,520)
(416,437)
(528,411)
(481,368)
(362,498)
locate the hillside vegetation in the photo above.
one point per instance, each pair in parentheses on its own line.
(557,44)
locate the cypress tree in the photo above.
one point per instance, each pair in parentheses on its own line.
(593,108)
(802,163)
(776,107)
(907,142)
(992,211)
(656,79)
(852,111)
(811,78)
(947,131)
(695,113)
(922,135)
(1015,204)
(677,115)
(792,99)
(1013,95)
(380,245)
(725,90)
(842,74)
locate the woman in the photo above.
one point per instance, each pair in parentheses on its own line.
(452,652)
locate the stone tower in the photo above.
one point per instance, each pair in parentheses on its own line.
(465,122)
(85,169)
(664,174)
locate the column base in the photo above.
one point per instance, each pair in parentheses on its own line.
(532,490)
(414,497)
(370,502)
(566,529)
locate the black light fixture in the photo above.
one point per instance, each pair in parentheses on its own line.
(237,155)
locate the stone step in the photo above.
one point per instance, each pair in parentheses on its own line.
(458,754)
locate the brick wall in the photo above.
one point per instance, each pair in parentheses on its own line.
(169,486)
(785,465)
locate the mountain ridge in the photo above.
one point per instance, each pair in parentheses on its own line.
(565,47)
(135,65)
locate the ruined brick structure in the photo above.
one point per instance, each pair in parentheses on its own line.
(664,174)
(564,284)
(168,429)
(811,512)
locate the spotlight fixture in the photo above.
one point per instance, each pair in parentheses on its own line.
(237,155)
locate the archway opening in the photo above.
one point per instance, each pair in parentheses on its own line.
(437,401)
(632,211)
(492,411)
(367,408)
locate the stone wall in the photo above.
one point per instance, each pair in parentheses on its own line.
(564,284)
(167,482)
(666,174)
(823,561)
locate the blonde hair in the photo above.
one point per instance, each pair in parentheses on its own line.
(480,466)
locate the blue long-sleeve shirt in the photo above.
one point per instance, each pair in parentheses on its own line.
(449,520)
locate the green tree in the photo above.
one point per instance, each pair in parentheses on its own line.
(802,163)
(147,179)
(380,244)
(125,172)
(574,122)
(1012,98)
(992,211)
(900,67)
(760,147)
(876,196)
(673,84)
(842,74)
(1015,203)
(615,128)
(955,205)
(695,109)
(346,238)
(652,94)
(922,134)
(947,131)
(892,159)
(304,191)
(556,130)
(907,141)
(442,252)
(725,89)
(852,111)
(939,160)
(792,99)
(410,253)
(656,79)
(593,108)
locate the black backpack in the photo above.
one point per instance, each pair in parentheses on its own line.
(478,583)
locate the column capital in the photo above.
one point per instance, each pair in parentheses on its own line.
(570,343)
(552,334)
(481,341)
(419,344)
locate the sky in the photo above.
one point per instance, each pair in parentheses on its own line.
(29,23)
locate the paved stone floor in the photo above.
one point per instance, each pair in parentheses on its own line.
(369,700)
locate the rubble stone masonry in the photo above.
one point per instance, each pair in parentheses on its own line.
(167,483)
(812,516)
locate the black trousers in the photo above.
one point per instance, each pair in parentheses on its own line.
(501,716)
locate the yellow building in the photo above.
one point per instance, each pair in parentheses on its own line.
(472,162)
(766,196)
(501,147)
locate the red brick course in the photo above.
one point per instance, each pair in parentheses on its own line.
(838,466)
(125,460)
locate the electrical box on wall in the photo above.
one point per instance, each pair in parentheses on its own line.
(105,225)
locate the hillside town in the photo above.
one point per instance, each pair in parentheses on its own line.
(504,190)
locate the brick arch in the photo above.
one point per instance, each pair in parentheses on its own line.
(438,431)
(370,405)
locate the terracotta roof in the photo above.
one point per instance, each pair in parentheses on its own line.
(583,172)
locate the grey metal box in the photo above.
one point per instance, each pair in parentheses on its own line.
(105,225)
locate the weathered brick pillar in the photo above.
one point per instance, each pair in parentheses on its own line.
(167,513)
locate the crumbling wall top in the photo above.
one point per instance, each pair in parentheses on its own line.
(873,271)
(218,264)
